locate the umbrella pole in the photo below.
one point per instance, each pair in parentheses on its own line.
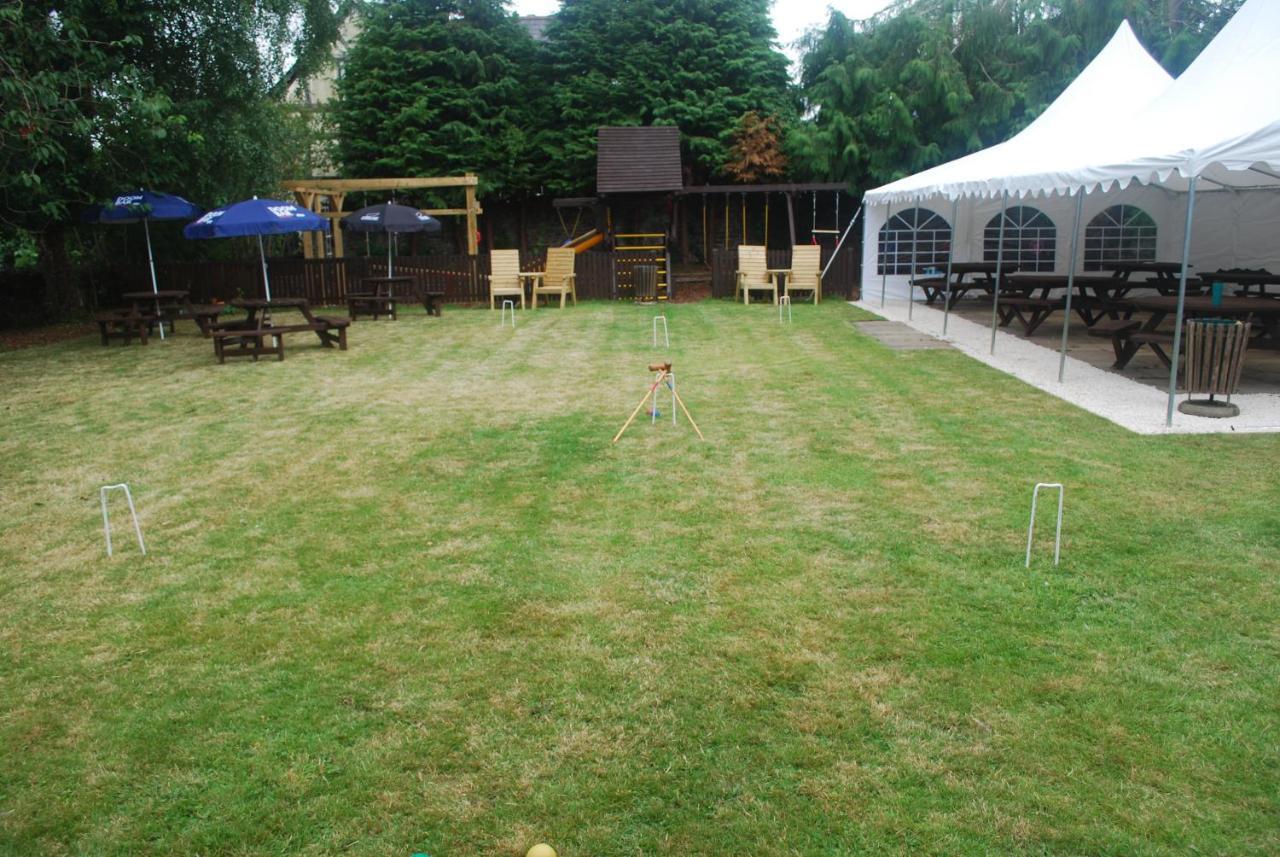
(151,261)
(390,237)
(262,254)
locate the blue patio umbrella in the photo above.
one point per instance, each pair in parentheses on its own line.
(256,217)
(145,206)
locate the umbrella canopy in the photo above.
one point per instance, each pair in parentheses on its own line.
(147,205)
(256,217)
(390,218)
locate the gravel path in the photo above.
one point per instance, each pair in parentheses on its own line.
(1125,402)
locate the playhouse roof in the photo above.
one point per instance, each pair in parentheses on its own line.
(638,160)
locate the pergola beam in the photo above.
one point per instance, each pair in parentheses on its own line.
(310,193)
(440,212)
(356,185)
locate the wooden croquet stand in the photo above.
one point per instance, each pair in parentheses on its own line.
(664,376)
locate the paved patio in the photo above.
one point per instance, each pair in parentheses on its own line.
(1134,398)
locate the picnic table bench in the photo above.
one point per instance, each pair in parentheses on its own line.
(377,297)
(1246,280)
(125,324)
(171,305)
(1128,341)
(1019,298)
(934,285)
(247,337)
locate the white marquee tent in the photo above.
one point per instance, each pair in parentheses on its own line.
(1216,128)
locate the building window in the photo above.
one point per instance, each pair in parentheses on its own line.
(919,227)
(1030,239)
(1121,233)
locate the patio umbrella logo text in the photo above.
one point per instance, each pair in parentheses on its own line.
(122,201)
(285,211)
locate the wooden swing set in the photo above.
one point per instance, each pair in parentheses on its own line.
(789,193)
(327,196)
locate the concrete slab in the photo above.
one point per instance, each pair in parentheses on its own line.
(1132,404)
(899,336)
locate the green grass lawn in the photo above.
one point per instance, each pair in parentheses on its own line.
(409,598)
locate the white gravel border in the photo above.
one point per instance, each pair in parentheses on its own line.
(1138,407)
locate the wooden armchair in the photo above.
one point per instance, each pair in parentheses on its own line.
(559,278)
(751,274)
(504,276)
(806,271)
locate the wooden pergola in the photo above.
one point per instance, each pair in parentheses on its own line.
(312,194)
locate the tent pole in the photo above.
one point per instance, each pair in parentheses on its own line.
(262,254)
(151,260)
(1182,297)
(995,299)
(911,275)
(951,254)
(1071,282)
(884,268)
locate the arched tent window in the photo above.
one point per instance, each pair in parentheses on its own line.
(1030,239)
(932,235)
(1121,233)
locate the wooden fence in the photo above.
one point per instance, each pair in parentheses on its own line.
(841,280)
(462,278)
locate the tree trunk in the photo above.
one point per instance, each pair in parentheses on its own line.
(62,298)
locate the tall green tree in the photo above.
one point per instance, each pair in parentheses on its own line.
(96,97)
(439,87)
(698,64)
(932,80)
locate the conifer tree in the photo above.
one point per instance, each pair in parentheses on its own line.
(439,87)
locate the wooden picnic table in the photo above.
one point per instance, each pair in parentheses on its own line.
(1029,297)
(981,274)
(1246,279)
(1164,279)
(378,296)
(1127,343)
(247,337)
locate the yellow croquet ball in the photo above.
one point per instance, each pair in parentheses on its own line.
(542,849)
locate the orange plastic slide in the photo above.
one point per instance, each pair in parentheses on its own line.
(584,242)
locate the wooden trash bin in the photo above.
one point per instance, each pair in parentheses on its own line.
(1215,354)
(645,280)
